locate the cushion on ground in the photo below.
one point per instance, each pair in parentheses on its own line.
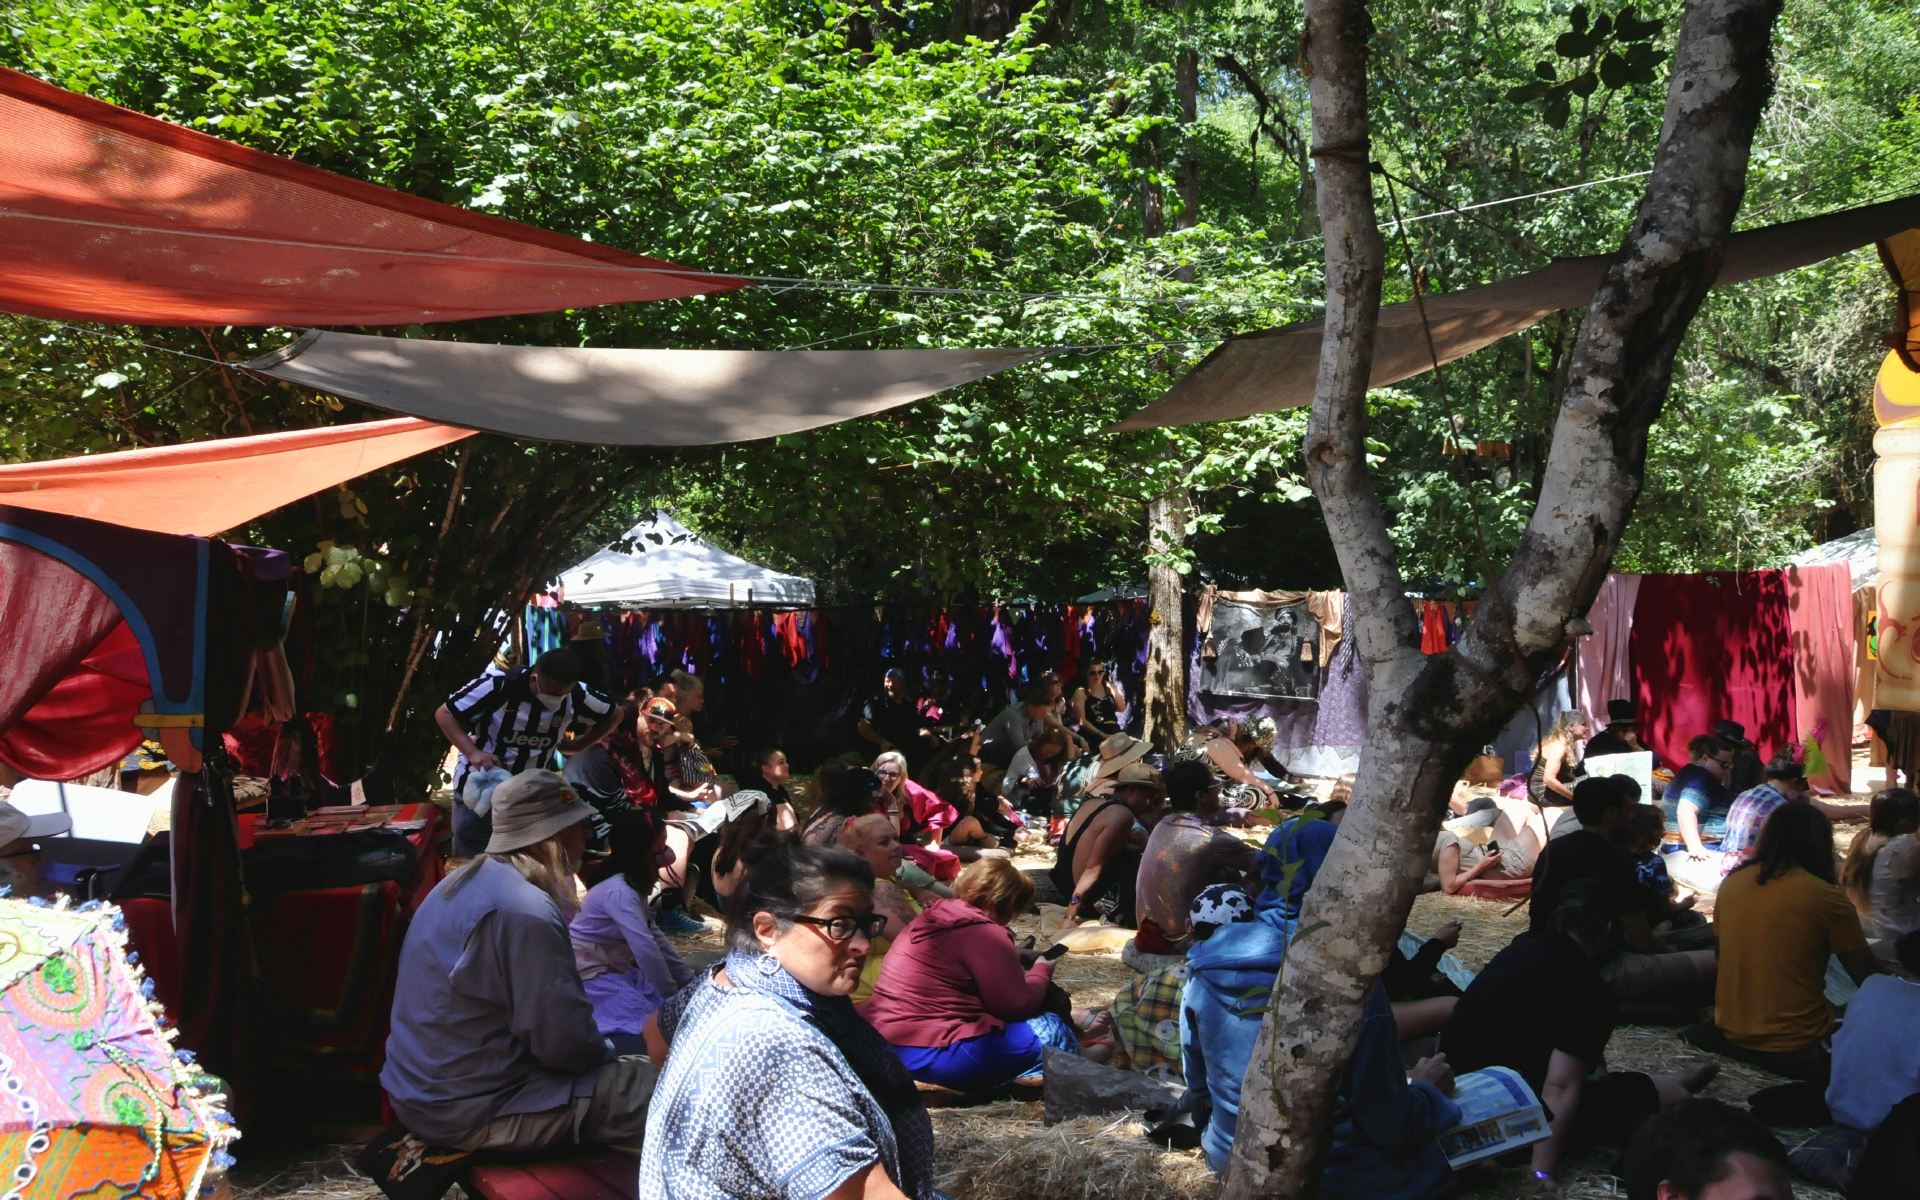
(1509,890)
(576,1173)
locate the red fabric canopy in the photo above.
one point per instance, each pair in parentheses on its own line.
(75,672)
(203,488)
(108,215)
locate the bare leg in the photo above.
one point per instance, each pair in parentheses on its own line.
(676,877)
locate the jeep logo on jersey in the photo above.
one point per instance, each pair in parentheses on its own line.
(536,741)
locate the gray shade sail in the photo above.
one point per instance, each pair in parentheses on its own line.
(1275,369)
(625,397)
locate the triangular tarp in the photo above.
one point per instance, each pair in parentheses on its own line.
(109,215)
(204,488)
(1275,369)
(660,563)
(607,397)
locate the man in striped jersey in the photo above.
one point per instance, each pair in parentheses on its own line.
(516,721)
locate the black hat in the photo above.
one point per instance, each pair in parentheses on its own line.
(1733,733)
(1620,712)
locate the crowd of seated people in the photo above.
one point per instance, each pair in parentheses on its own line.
(870,949)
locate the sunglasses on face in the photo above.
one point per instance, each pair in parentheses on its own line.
(842,929)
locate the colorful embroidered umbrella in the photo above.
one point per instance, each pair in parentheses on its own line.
(93,1099)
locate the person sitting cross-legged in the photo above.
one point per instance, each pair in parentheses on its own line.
(1185,853)
(1697,804)
(1643,968)
(1384,1124)
(1781,918)
(629,967)
(954,997)
(493,1044)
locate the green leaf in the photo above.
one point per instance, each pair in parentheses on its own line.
(1643,55)
(1628,28)
(1583,84)
(1602,27)
(1528,92)
(1557,111)
(1614,71)
(1546,70)
(1574,45)
(1578,18)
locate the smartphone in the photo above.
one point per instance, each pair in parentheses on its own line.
(1054,951)
(1493,847)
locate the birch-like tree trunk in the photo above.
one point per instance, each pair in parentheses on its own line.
(1427,715)
(1165,690)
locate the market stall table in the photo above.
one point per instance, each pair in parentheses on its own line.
(331,896)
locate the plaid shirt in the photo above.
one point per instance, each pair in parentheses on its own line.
(1749,812)
(1146,1017)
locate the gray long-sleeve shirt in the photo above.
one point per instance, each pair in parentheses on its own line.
(489,1015)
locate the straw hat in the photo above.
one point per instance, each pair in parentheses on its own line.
(1139,775)
(532,807)
(1120,750)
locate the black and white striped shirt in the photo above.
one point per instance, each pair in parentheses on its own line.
(506,719)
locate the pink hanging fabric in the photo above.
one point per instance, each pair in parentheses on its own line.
(1606,669)
(1820,607)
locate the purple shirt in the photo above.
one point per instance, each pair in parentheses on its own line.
(629,967)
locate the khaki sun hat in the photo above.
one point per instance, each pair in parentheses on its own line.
(532,807)
(1132,775)
(1120,750)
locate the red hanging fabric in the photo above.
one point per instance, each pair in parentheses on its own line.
(1069,667)
(1820,606)
(65,643)
(85,720)
(793,646)
(1710,648)
(752,646)
(1433,628)
(109,215)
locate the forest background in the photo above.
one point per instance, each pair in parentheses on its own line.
(1121,175)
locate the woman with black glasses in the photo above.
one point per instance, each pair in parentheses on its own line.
(774,1087)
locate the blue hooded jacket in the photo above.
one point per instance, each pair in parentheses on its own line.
(1229,981)
(1383,1142)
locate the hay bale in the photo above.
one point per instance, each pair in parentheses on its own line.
(1005,1152)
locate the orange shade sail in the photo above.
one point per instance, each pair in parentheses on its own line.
(110,215)
(206,488)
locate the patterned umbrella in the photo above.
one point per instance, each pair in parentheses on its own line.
(93,1099)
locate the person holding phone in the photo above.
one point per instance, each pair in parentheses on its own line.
(957,998)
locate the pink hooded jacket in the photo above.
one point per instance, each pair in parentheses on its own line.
(953,974)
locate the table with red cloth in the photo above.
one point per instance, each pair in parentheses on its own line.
(327,956)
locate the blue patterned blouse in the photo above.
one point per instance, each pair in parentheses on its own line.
(757,1104)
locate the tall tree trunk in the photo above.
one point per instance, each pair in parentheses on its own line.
(1165,690)
(1186,91)
(1428,714)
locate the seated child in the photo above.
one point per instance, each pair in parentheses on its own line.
(1664,914)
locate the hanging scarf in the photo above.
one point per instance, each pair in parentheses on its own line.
(872,1059)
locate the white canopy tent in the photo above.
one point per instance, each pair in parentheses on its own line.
(660,563)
